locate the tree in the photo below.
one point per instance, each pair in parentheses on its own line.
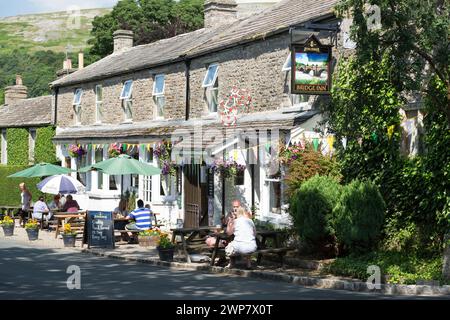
(150,20)
(414,37)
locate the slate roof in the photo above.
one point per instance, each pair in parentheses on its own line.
(33,112)
(276,19)
(165,128)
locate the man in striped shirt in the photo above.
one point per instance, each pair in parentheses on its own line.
(142,217)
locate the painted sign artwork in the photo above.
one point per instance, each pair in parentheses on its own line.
(311,65)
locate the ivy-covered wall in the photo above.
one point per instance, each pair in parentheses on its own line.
(17,146)
(9,187)
(45,150)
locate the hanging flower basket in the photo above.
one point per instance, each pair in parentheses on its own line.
(163,152)
(227,168)
(115,150)
(76,151)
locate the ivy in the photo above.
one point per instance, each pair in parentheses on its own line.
(17,146)
(45,150)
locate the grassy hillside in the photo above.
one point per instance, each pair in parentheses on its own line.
(48,31)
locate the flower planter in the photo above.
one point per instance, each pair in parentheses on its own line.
(166,254)
(148,241)
(69,240)
(8,230)
(33,234)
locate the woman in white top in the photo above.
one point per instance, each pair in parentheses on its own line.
(244,241)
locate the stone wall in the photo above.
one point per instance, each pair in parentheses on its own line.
(144,107)
(256,67)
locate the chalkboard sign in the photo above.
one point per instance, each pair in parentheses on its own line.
(100,229)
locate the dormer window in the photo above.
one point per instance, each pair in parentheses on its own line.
(77,105)
(159,86)
(211,85)
(127,100)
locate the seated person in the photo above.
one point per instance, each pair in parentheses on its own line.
(119,213)
(142,218)
(226,220)
(56,203)
(39,208)
(244,241)
(71,205)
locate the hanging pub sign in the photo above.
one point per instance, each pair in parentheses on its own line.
(311,67)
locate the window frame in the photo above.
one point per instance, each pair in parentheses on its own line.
(163,76)
(98,104)
(77,97)
(214,79)
(130,93)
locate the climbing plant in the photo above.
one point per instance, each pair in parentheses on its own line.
(17,146)
(45,150)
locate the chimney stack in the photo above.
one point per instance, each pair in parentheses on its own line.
(219,12)
(123,39)
(16,92)
(80,60)
(67,64)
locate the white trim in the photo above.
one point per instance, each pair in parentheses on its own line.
(287,66)
(4,146)
(98,104)
(128,96)
(206,84)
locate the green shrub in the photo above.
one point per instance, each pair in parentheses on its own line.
(358,216)
(399,267)
(9,187)
(311,208)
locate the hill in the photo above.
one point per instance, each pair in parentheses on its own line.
(48,31)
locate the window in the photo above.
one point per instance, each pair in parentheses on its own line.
(98,103)
(211,76)
(77,97)
(275,192)
(158,94)
(147,180)
(127,90)
(31,145)
(239,180)
(99,158)
(288,64)
(77,105)
(127,105)
(299,98)
(4,150)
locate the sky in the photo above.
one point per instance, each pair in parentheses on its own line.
(19,7)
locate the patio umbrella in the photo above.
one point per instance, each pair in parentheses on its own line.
(123,165)
(41,170)
(60,184)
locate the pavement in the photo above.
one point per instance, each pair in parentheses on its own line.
(38,270)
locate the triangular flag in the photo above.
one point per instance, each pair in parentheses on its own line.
(344,142)
(124,147)
(330,141)
(315,142)
(149,147)
(94,146)
(235,155)
(390,131)
(89,147)
(374,136)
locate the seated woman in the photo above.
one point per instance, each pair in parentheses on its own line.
(56,203)
(244,241)
(120,213)
(71,205)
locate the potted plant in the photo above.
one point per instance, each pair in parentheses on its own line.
(76,151)
(8,226)
(227,168)
(149,238)
(115,150)
(32,228)
(165,248)
(69,236)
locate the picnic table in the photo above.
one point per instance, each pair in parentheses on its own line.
(188,235)
(261,241)
(70,216)
(9,210)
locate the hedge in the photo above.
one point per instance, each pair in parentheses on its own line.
(9,187)
(17,146)
(45,150)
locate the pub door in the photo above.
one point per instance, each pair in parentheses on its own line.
(195,198)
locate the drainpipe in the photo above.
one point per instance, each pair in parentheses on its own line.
(188,88)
